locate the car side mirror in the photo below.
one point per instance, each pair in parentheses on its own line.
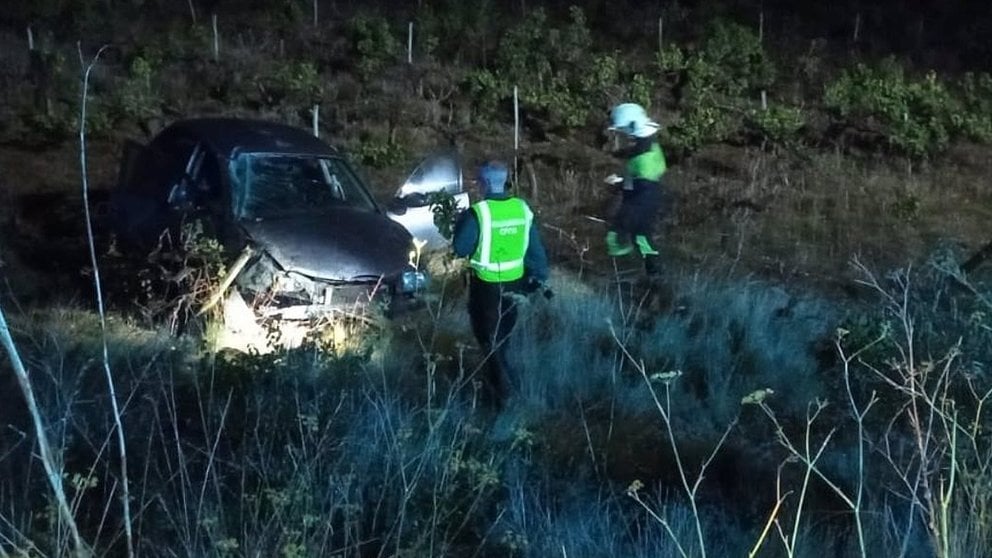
(400,204)
(416,199)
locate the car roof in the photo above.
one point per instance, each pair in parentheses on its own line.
(231,136)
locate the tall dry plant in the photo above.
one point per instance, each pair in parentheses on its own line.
(690,486)
(943,412)
(119,427)
(52,471)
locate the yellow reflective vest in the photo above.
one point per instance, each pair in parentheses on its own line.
(504,233)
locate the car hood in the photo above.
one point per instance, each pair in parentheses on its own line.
(341,245)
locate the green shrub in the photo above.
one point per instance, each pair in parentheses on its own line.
(453,30)
(703,124)
(300,81)
(295,84)
(672,59)
(736,52)
(444,206)
(378,153)
(57,124)
(486,90)
(559,73)
(137,97)
(729,62)
(374,43)
(916,117)
(60,122)
(975,121)
(642,90)
(718,81)
(779,124)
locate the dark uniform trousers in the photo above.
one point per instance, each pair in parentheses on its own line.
(493,315)
(635,221)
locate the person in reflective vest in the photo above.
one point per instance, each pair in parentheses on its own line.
(506,255)
(633,224)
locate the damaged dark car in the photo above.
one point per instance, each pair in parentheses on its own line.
(304,236)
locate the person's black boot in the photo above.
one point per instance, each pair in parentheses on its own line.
(652,266)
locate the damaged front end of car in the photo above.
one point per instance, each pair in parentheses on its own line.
(266,307)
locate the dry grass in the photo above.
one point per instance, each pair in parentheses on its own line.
(387,451)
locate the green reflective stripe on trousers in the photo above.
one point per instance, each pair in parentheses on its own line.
(614,247)
(644,246)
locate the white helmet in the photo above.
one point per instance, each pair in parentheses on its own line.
(632,119)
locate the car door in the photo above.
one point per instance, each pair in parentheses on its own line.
(155,188)
(200,193)
(411,207)
(139,212)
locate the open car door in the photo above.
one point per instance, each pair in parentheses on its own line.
(411,207)
(133,155)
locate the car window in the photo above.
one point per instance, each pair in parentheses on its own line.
(438,173)
(273,186)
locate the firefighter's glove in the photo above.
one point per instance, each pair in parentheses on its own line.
(613,179)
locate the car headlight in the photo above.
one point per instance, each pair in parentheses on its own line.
(412,281)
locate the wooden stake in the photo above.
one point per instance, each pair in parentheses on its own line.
(516,129)
(315,13)
(857,27)
(409,43)
(232,274)
(192,11)
(534,189)
(516,118)
(30,39)
(316,121)
(661,34)
(213,21)
(764,100)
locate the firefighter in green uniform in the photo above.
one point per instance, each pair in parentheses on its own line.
(506,255)
(633,224)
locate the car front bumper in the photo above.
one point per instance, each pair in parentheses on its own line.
(263,322)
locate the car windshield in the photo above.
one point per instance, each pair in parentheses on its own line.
(273,186)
